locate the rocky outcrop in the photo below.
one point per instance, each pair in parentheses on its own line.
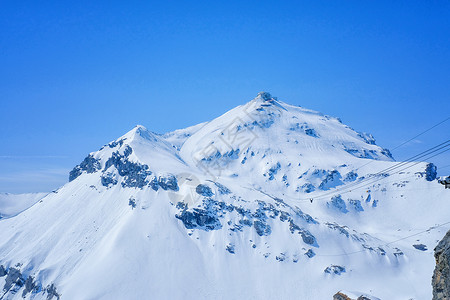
(441,276)
(15,282)
(352,296)
(88,165)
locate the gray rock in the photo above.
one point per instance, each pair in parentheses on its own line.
(30,285)
(307,237)
(334,269)
(168,183)
(262,228)
(337,203)
(51,292)
(230,248)
(2,271)
(430,172)
(199,219)
(310,253)
(204,190)
(420,247)
(441,276)
(88,165)
(14,277)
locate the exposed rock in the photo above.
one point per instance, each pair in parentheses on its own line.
(204,190)
(367,137)
(199,219)
(356,204)
(281,257)
(230,248)
(2,271)
(108,179)
(332,179)
(352,296)
(88,165)
(223,190)
(337,203)
(351,176)
(421,247)
(273,171)
(14,277)
(308,188)
(262,228)
(430,172)
(135,174)
(168,182)
(441,276)
(307,237)
(334,269)
(30,285)
(341,296)
(310,253)
(132,202)
(51,292)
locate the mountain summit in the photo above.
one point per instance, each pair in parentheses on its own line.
(266,201)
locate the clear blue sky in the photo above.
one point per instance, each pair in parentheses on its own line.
(75,75)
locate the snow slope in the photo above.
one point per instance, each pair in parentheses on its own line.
(13,204)
(222,210)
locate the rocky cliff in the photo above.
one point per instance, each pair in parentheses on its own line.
(441,277)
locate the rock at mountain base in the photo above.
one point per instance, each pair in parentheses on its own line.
(441,276)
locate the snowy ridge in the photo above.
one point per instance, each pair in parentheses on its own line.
(223,210)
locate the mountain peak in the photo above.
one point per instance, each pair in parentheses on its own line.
(265,96)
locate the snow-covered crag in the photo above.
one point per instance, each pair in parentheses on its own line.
(223,209)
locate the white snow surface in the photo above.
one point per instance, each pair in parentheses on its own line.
(247,236)
(13,204)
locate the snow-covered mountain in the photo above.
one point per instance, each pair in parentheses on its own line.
(268,201)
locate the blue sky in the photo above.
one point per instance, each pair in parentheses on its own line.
(75,75)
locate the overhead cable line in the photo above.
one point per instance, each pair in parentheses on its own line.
(387,244)
(411,139)
(424,154)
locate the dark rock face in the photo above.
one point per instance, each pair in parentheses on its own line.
(168,183)
(332,179)
(204,190)
(343,296)
(30,285)
(336,270)
(135,174)
(89,165)
(420,247)
(230,248)
(2,271)
(273,171)
(351,176)
(15,281)
(223,190)
(13,278)
(310,253)
(441,276)
(199,219)
(367,137)
(108,179)
(308,188)
(262,228)
(51,292)
(338,203)
(307,237)
(430,172)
